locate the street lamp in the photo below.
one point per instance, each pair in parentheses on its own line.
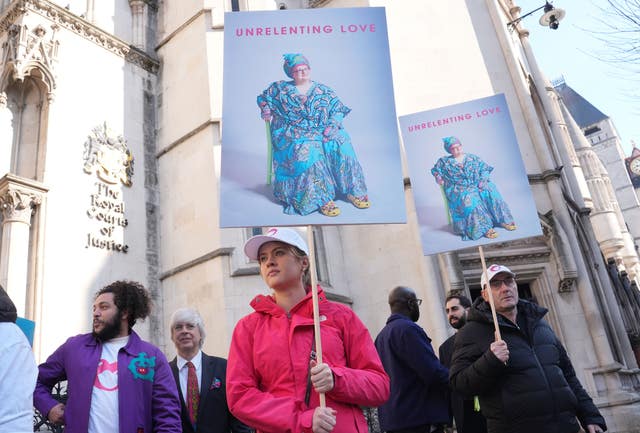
(550,18)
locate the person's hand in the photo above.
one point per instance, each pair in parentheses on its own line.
(481,185)
(594,428)
(324,420)
(439,180)
(266,115)
(56,414)
(500,350)
(321,377)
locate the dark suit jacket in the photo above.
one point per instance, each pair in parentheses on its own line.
(213,412)
(467,420)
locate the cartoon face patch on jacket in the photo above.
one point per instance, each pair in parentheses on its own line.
(142,367)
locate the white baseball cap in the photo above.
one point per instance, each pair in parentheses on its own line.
(494,270)
(278,234)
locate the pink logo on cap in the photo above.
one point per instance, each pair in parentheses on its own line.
(494,267)
(272,231)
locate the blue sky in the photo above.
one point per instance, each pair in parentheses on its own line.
(571,51)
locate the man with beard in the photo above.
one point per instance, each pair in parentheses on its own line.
(115,380)
(466,411)
(418,380)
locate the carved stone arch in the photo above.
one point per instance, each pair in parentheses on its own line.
(36,70)
(30,53)
(28,100)
(28,84)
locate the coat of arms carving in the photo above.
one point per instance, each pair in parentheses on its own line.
(108,156)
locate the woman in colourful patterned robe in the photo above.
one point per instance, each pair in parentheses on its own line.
(313,160)
(475,205)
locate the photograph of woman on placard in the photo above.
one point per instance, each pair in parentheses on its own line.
(310,132)
(469,180)
(313,160)
(474,204)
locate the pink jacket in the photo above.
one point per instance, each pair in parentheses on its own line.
(269,363)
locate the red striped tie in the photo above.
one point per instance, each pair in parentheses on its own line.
(193,394)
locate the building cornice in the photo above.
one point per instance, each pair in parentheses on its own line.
(220,252)
(79,26)
(545,176)
(185,137)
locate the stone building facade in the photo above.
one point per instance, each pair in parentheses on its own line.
(110,138)
(602,137)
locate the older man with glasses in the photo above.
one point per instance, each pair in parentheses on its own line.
(418,401)
(525,380)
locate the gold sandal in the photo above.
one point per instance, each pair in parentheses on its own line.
(361,202)
(509,226)
(491,234)
(329,209)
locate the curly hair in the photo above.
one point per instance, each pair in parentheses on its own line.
(129,296)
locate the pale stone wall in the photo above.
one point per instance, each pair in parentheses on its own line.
(93,85)
(73,272)
(187,137)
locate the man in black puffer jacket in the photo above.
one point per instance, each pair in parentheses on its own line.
(525,381)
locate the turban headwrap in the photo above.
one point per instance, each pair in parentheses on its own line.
(292,60)
(450,141)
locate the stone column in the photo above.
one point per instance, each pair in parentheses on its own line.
(89,14)
(452,272)
(6,133)
(18,200)
(138,21)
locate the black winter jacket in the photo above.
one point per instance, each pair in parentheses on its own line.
(537,391)
(7,308)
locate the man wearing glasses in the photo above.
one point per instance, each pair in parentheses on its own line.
(525,381)
(419,382)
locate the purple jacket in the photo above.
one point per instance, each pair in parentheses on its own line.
(147,394)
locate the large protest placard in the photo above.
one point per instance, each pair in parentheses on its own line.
(468,178)
(309,125)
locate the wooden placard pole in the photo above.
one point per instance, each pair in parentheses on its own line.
(488,289)
(316,306)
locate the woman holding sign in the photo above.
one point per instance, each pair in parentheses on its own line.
(313,160)
(475,205)
(273,379)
